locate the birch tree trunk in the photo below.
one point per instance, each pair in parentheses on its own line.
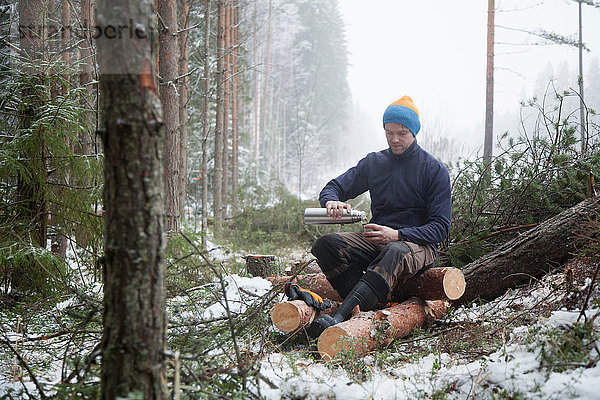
(133,341)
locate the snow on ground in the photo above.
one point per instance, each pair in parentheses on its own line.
(513,370)
(237,289)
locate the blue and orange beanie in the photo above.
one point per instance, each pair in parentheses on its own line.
(403,111)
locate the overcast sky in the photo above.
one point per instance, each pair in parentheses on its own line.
(435,51)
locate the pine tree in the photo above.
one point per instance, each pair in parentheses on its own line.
(134,265)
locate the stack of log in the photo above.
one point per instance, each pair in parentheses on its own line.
(429,295)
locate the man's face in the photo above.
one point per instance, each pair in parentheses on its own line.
(399,137)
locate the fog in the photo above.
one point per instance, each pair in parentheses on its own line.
(435,52)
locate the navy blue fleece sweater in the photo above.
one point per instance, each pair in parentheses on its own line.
(409,192)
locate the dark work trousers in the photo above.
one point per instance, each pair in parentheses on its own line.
(345,257)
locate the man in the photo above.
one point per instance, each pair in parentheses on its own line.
(410,206)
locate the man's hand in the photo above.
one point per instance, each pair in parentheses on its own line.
(335,209)
(379,234)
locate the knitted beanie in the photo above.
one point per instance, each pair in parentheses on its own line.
(404,112)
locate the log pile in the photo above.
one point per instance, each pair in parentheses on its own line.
(429,292)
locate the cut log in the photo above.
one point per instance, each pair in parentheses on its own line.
(291,316)
(531,254)
(432,284)
(375,329)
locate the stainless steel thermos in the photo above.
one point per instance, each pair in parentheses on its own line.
(315,216)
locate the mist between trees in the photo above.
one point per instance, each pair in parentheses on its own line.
(224,123)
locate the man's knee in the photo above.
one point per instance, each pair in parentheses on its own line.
(397,250)
(327,245)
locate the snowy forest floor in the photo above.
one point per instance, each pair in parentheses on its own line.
(533,342)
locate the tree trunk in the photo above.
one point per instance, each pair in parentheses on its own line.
(168,50)
(234,109)
(183,101)
(532,253)
(265,97)
(59,242)
(432,284)
(489,87)
(255,99)
(218,154)
(85,144)
(226,106)
(291,316)
(87,75)
(133,338)
(370,330)
(205,130)
(582,113)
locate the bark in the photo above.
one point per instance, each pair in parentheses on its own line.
(226,106)
(433,284)
(183,100)
(168,50)
(205,130)
(234,109)
(291,316)
(370,330)
(582,119)
(86,142)
(265,97)
(86,76)
(133,340)
(255,90)
(218,153)
(489,88)
(531,254)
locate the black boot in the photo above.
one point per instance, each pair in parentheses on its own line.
(370,289)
